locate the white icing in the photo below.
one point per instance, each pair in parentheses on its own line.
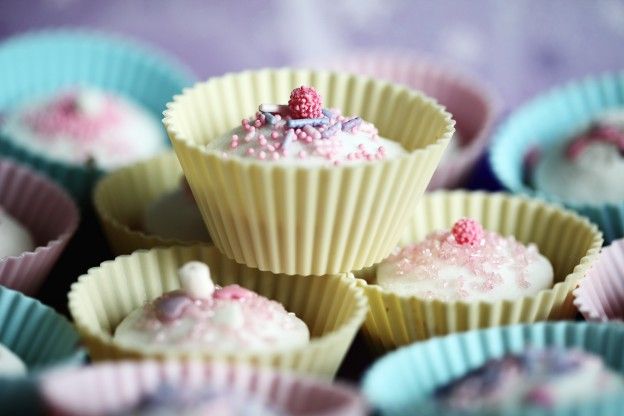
(343,143)
(195,280)
(433,276)
(14,237)
(594,176)
(134,135)
(175,215)
(10,364)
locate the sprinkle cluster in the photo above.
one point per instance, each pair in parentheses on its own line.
(604,133)
(272,132)
(482,253)
(67,115)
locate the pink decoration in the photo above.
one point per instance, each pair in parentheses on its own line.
(233,292)
(305,102)
(467,231)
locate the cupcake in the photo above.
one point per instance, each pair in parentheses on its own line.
(560,368)
(150,388)
(600,296)
(34,338)
(137,307)
(318,183)
(96,107)
(473,104)
(565,146)
(200,316)
(37,220)
(148,204)
(474,260)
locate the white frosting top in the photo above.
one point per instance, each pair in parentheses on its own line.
(175,215)
(86,124)
(10,364)
(14,237)
(493,268)
(204,317)
(591,172)
(339,140)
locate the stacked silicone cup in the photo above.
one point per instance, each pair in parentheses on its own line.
(112,388)
(48,213)
(472,104)
(600,296)
(122,197)
(551,118)
(332,307)
(42,62)
(403,382)
(569,241)
(297,219)
(41,338)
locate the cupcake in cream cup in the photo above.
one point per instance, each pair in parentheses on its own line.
(473,104)
(37,220)
(600,296)
(136,387)
(566,146)
(547,368)
(96,105)
(471,260)
(155,304)
(148,204)
(320,175)
(34,338)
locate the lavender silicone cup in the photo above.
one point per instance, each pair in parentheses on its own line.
(473,105)
(114,388)
(600,296)
(48,213)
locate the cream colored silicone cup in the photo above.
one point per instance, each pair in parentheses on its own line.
(333,307)
(306,220)
(569,241)
(121,198)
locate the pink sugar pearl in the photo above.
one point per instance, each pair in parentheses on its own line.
(467,231)
(305,102)
(233,292)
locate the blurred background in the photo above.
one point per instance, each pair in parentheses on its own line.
(520,47)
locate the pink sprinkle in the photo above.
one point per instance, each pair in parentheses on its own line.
(305,102)
(302,154)
(234,144)
(467,231)
(262,155)
(249,136)
(262,140)
(251,151)
(275,155)
(274,134)
(271,148)
(235,137)
(233,292)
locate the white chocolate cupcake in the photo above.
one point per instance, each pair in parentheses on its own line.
(203,316)
(467,263)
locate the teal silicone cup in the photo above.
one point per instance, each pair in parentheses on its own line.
(402,383)
(41,62)
(550,118)
(42,338)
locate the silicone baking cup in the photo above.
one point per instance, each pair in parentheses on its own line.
(332,307)
(297,219)
(108,388)
(551,118)
(472,103)
(403,382)
(47,212)
(41,338)
(569,241)
(41,62)
(600,297)
(121,198)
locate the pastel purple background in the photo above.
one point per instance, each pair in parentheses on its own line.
(519,46)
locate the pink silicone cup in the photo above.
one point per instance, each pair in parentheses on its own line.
(110,388)
(50,215)
(600,295)
(472,104)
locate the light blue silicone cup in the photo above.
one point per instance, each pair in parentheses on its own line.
(402,383)
(42,338)
(548,119)
(42,62)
